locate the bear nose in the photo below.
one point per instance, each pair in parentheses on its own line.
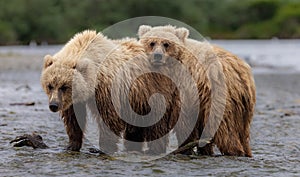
(53,107)
(157,56)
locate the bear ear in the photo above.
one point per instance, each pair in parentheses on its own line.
(82,65)
(182,33)
(143,29)
(48,61)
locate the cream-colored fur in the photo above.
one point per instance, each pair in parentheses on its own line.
(225,85)
(89,65)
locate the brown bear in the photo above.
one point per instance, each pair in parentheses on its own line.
(226,88)
(108,77)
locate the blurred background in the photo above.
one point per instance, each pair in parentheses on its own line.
(55,21)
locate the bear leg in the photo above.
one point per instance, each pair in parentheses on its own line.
(247,148)
(134,138)
(229,145)
(206,150)
(108,140)
(245,141)
(157,145)
(73,129)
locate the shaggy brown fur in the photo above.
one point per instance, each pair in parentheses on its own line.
(124,69)
(74,131)
(210,66)
(88,71)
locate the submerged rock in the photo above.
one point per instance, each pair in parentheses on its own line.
(34,140)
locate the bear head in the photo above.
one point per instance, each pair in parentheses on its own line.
(67,82)
(66,77)
(162,42)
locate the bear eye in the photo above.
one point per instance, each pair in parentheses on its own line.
(166,45)
(152,44)
(64,88)
(50,87)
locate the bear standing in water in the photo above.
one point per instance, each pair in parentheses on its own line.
(210,66)
(82,75)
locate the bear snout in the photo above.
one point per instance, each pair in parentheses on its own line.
(53,106)
(157,57)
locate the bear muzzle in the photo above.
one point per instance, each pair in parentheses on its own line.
(54,106)
(158,59)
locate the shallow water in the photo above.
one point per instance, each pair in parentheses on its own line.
(267,55)
(275,133)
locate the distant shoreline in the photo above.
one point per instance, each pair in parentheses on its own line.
(274,55)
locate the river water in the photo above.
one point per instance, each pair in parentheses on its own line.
(275,132)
